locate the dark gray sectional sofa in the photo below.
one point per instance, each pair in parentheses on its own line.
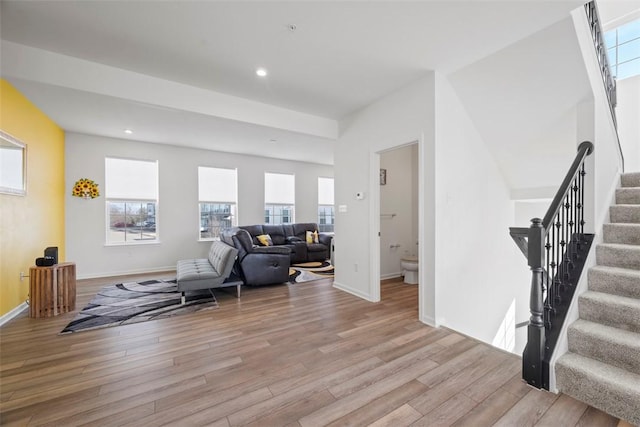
(264,265)
(293,236)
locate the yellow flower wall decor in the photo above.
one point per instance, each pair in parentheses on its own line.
(85,188)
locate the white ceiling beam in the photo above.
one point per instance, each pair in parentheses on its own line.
(47,67)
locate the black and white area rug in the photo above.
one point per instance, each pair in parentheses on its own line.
(310,271)
(134,302)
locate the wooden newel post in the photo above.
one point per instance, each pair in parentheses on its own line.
(534,351)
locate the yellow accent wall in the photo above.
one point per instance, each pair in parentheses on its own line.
(30,223)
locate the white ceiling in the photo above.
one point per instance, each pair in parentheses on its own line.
(342,56)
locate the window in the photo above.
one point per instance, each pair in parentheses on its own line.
(623,49)
(13,165)
(218,195)
(326,213)
(131,192)
(279,198)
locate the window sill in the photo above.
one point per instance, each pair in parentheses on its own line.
(140,243)
(209,239)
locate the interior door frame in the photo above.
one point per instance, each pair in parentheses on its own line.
(374,228)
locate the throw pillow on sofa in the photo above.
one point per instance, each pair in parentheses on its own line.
(312,236)
(265,240)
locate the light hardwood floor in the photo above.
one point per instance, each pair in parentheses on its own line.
(295,355)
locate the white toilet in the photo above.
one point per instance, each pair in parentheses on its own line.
(410,269)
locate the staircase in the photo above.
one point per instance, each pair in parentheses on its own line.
(602,367)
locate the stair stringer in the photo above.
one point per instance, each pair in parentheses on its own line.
(562,345)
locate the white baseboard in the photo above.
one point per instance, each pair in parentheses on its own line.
(390,275)
(356,292)
(127,272)
(428,320)
(13,313)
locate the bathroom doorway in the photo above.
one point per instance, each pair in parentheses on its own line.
(399,219)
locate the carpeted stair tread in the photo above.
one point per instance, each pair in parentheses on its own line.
(608,388)
(602,367)
(628,234)
(614,280)
(628,195)
(618,255)
(612,310)
(631,179)
(610,345)
(625,213)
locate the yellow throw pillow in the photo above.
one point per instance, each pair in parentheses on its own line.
(265,240)
(312,237)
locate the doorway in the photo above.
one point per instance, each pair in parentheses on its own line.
(396,223)
(398,211)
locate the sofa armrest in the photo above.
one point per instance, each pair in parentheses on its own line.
(265,268)
(325,239)
(271,250)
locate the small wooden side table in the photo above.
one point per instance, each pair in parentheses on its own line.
(52,290)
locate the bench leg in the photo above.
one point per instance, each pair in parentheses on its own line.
(238,290)
(182,299)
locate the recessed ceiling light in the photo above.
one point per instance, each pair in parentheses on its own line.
(261,72)
(128,131)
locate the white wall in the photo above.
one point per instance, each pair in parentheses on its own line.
(479,268)
(402,117)
(469,266)
(525,210)
(398,209)
(628,113)
(178,219)
(524,109)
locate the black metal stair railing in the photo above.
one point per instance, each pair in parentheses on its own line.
(608,80)
(556,248)
(593,18)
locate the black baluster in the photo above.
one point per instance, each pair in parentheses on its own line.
(574,223)
(562,249)
(582,174)
(565,277)
(578,214)
(570,229)
(547,305)
(554,264)
(559,267)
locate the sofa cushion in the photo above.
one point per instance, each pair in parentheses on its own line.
(194,269)
(276,232)
(288,229)
(300,252)
(316,247)
(300,229)
(206,273)
(221,257)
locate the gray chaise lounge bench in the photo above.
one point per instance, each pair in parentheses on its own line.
(208,273)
